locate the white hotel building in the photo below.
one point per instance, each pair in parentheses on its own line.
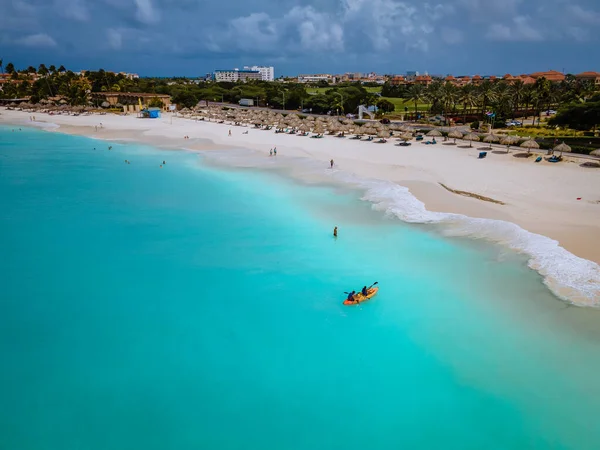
(267,73)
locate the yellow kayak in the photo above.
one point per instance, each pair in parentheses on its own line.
(359,298)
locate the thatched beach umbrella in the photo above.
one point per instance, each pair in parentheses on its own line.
(595,152)
(407,136)
(455,134)
(508,141)
(562,148)
(491,138)
(529,144)
(471,137)
(319,129)
(383,134)
(434,133)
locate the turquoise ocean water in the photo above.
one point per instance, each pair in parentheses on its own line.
(194,307)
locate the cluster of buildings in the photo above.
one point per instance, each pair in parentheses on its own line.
(129,76)
(415,78)
(349,76)
(551,75)
(264,73)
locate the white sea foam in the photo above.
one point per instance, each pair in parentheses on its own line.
(570,277)
(44,125)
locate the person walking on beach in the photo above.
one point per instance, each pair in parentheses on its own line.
(334,232)
(229,132)
(275,151)
(331,164)
(271,152)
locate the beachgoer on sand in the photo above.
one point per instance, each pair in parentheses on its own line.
(271,152)
(229,132)
(331,164)
(275,151)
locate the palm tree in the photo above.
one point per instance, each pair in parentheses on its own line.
(517,92)
(42,70)
(10,68)
(448,98)
(487,93)
(52,69)
(528,98)
(542,90)
(433,95)
(62,69)
(468,98)
(416,94)
(1,66)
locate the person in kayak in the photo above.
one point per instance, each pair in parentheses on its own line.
(364,291)
(351,296)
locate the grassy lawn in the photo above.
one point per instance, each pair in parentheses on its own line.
(399,103)
(311,90)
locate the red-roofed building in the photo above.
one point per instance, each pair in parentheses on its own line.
(461,81)
(550,75)
(398,80)
(589,76)
(477,79)
(423,79)
(526,79)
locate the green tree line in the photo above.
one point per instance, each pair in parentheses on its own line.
(506,99)
(186,92)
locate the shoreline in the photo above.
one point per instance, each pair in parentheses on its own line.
(536,198)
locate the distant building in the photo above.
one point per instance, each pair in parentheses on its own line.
(551,75)
(315,78)
(130,76)
(425,80)
(589,76)
(398,80)
(267,73)
(129,100)
(236,75)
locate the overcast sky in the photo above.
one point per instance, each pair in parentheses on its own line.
(193,37)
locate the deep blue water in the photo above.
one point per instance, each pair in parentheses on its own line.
(189,307)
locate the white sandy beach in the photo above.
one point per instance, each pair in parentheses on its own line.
(541,198)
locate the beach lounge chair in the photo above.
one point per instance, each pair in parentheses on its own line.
(554,159)
(538,159)
(370,138)
(482,155)
(381,141)
(403,144)
(419,137)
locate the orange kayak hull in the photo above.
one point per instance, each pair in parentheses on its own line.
(359,298)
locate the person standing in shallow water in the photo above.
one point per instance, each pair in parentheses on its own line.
(335,232)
